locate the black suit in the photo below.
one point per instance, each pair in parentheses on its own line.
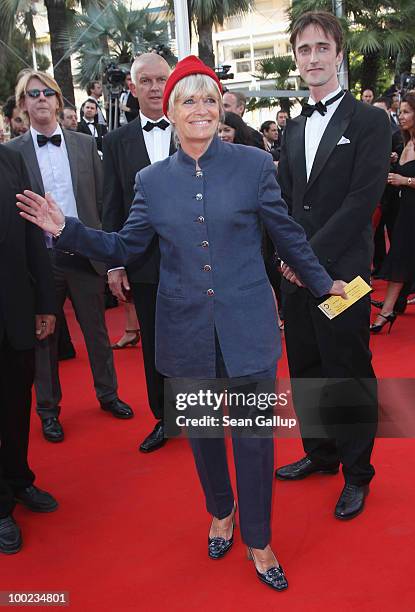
(101,130)
(335,207)
(125,154)
(27,289)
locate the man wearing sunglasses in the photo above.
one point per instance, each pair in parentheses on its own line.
(66,164)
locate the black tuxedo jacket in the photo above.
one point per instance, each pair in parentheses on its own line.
(125,154)
(26,276)
(336,204)
(101,131)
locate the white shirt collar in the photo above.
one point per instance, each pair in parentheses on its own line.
(34,132)
(144,119)
(330,95)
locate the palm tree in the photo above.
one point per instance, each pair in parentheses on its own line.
(207,13)
(278,68)
(114,35)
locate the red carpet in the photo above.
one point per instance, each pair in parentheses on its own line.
(131,531)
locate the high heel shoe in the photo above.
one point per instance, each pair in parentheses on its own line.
(274,577)
(122,344)
(389,318)
(218,547)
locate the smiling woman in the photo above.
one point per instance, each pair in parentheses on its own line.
(216,315)
(195,108)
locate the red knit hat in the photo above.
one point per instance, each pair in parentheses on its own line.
(187,66)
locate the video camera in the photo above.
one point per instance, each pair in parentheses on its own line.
(222,72)
(114,76)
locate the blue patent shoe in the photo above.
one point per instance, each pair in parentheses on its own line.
(274,577)
(218,547)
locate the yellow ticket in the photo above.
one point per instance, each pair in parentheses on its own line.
(335,304)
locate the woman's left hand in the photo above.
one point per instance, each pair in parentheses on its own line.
(396,179)
(43,212)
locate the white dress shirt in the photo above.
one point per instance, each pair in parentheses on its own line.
(157,141)
(315,127)
(91,127)
(56,172)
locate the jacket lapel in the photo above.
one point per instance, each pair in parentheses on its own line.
(297,145)
(332,135)
(71,147)
(29,154)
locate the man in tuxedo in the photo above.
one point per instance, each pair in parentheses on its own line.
(89,123)
(27,310)
(235,102)
(134,146)
(333,168)
(66,164)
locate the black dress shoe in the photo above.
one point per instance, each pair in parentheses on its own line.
(52,429)
(218,547)
(154,440)
(303,468)
(118,408)
(274,577)
(351,501)
(36,500)
(10,536)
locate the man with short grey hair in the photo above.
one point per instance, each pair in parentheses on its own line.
(143,141)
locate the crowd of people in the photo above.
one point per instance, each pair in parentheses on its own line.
(210,232)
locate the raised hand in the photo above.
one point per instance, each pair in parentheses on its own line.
(43,212)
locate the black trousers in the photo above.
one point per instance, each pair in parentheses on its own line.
(336,352)
(254,463)
(16,380)
(145,296)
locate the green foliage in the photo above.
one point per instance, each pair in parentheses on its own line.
(277,67)
(213,11)
(17,60)
(115,34)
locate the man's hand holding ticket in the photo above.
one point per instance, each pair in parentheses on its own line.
(335,305)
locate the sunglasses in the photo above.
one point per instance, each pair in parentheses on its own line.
(35,93)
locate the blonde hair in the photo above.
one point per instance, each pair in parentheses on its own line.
(46,79)
(192,84)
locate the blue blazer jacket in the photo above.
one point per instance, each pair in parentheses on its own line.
(212,273)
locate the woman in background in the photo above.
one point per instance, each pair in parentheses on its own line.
(399,265)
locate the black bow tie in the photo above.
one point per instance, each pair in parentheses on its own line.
(56,139)
(162,124)
(308,109)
